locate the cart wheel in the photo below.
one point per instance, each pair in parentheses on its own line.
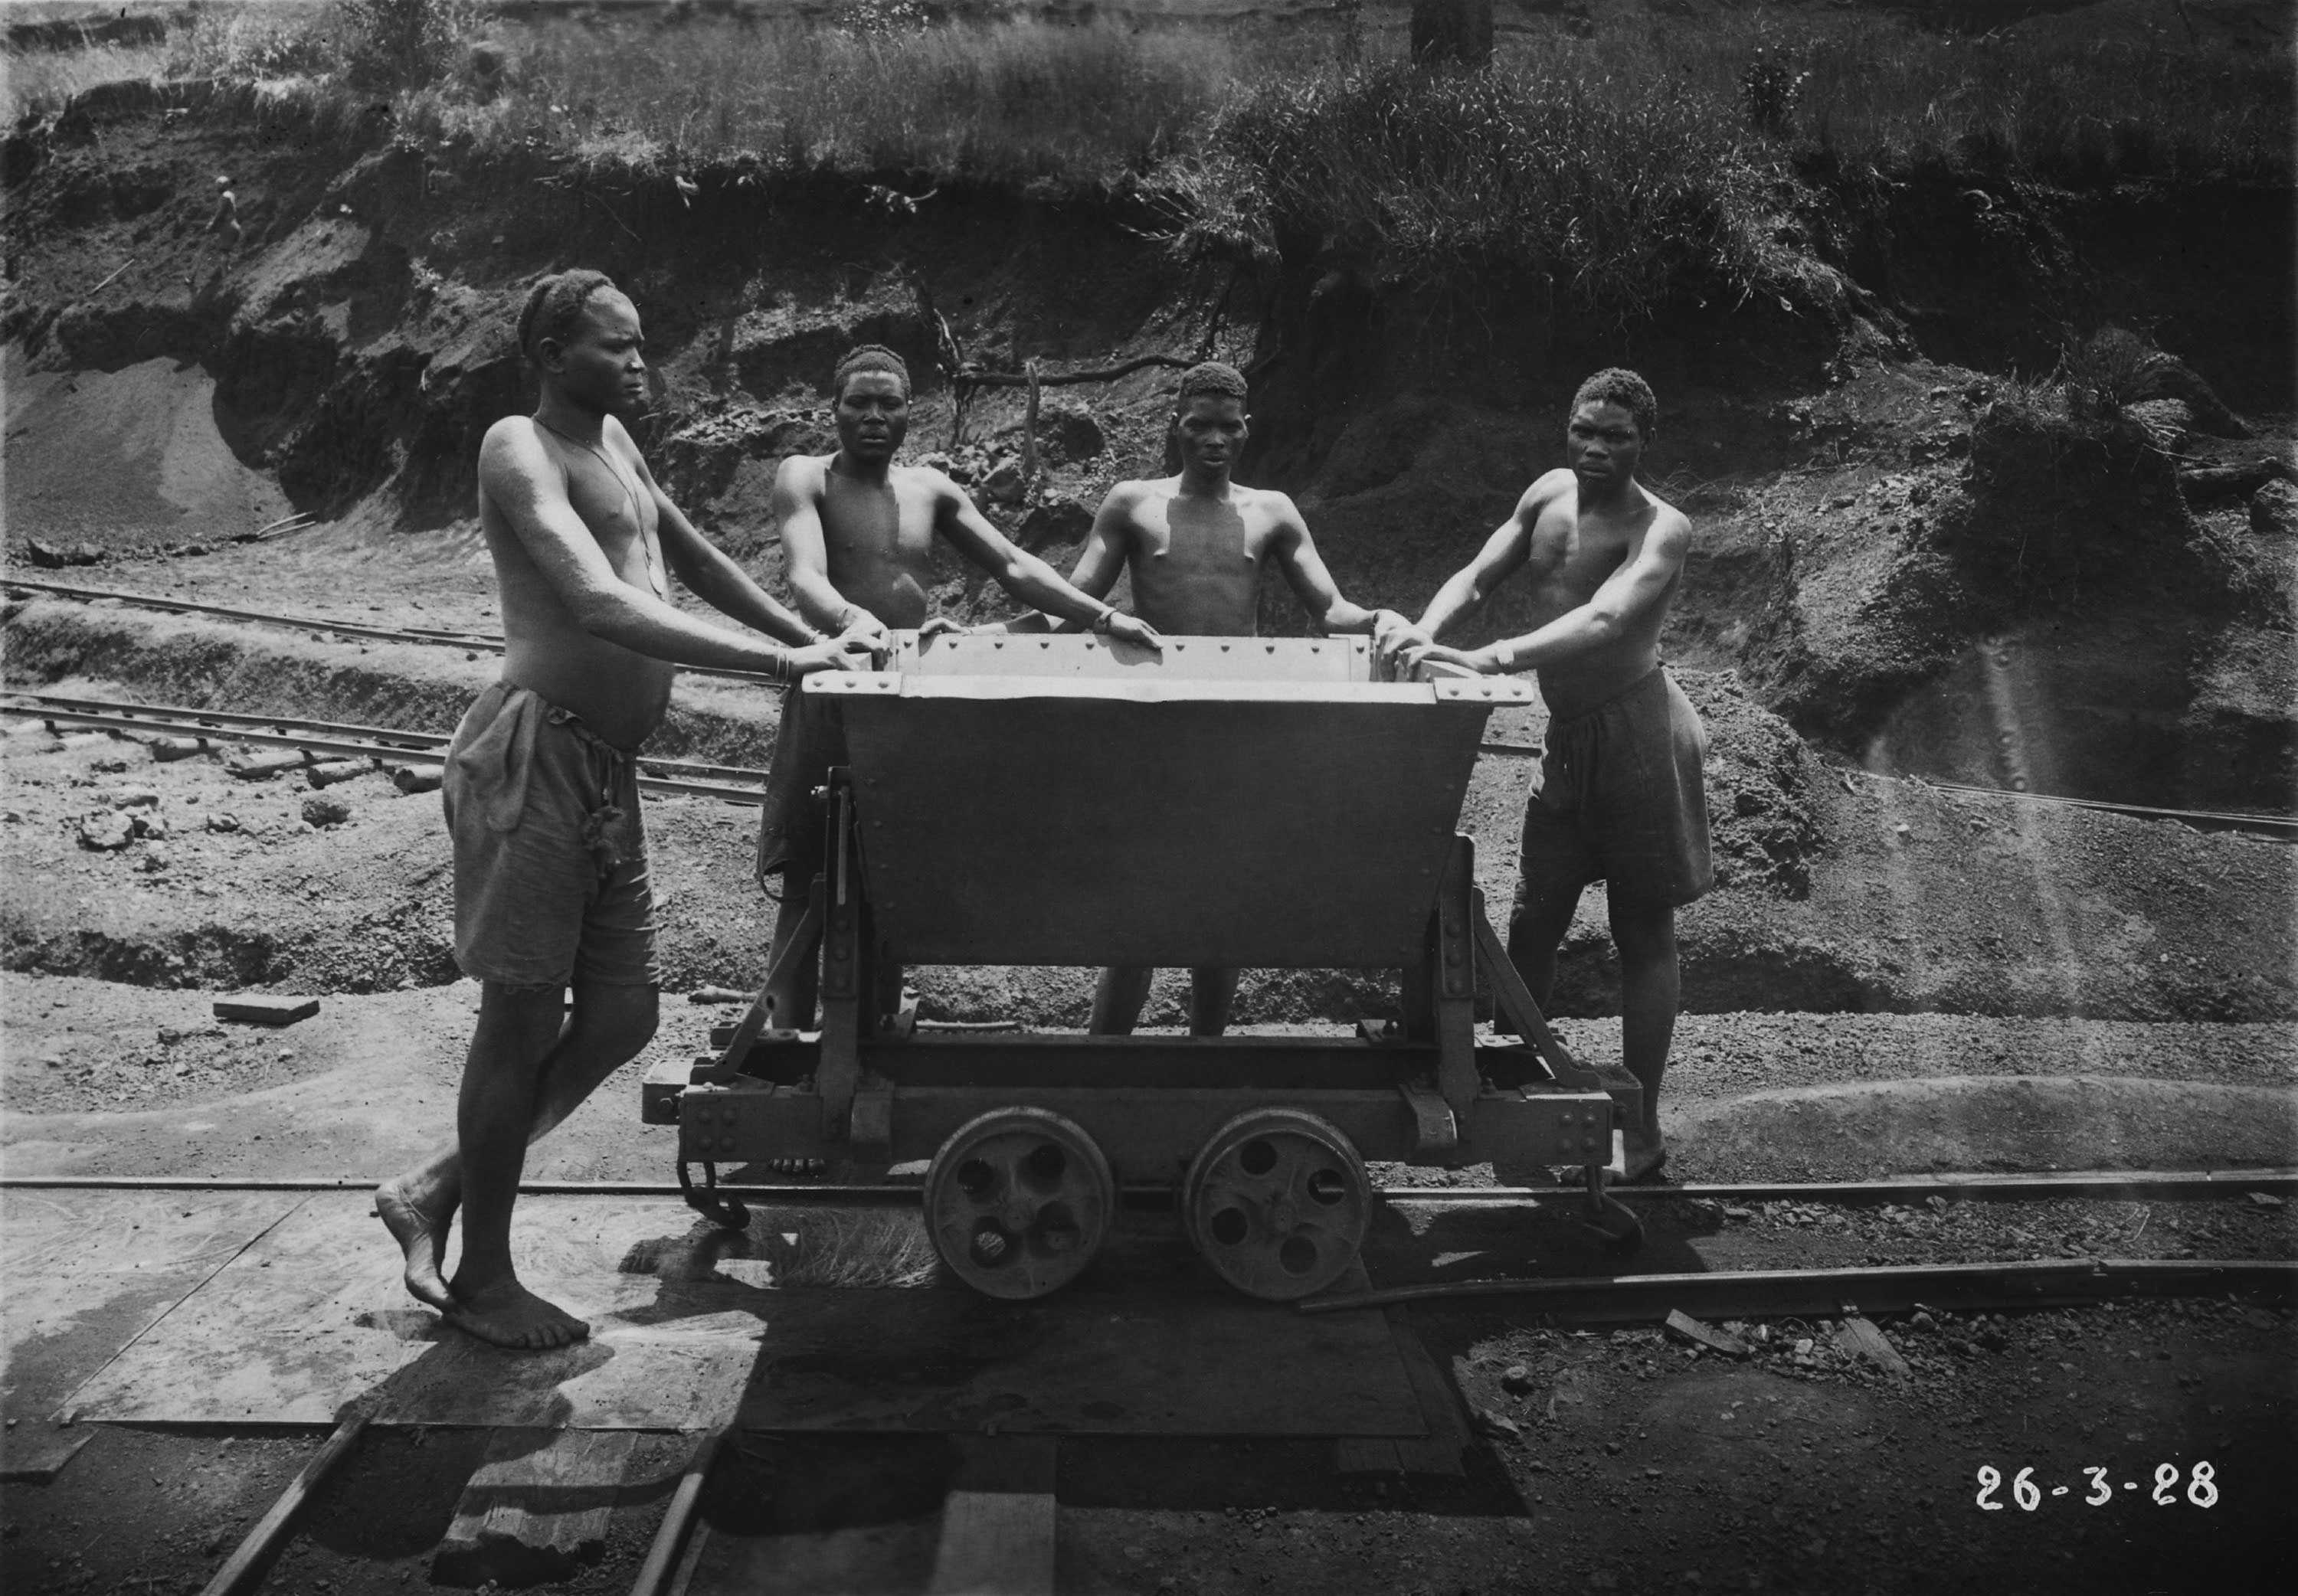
(1277,1202)
(1613,1221)
(1018,1202)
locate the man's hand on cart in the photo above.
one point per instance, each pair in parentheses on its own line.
(847,651)
(1484,661)
(1119,627)
(1392,635)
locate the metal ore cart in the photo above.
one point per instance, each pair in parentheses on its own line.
(1239,801)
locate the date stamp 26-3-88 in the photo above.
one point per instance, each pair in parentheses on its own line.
(2200,1488)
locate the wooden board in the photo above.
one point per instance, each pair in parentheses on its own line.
(89,1272)
(536,1510)
(314,1318)
(256,1008)
(997,1522)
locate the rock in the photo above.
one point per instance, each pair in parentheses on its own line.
(223,821)
(134,798)
(153,861)
(1515,1378)
(1495,1424)
(1685,1328)
(1055,521)
(109,767)
(418,778)
(106,832)
(1072,434)
(1803,1347)
(1004,484)
(2274,509)
(55,555)
(150,825)
(1922,1321)
(167,749)
(325,812)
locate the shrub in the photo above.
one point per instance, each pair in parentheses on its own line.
(1615,192)
(402,44)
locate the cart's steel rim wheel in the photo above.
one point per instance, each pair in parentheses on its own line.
(1018,1202)
(1277,1202)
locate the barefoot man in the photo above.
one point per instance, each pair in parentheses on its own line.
(1618,799)
(1197,545)
(858,536)
(552,889)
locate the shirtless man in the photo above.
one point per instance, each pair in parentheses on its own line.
(1197,545)
(552,887)
(858,536)
(1618,797)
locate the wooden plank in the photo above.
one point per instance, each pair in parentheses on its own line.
(256,1008)
(998,1523)
(1366,1454)
(243,1569)
(1441,1451)
(536,1510)
(315,1316)
(90,1272)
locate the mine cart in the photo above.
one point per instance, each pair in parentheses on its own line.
(1239,802)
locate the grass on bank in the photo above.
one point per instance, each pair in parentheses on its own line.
(1655,154)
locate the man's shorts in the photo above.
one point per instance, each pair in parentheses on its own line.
(792,828)
(1619,799)
(550,854)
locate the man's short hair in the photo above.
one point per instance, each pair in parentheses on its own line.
(554,305)
(1210,376)
(1616,384)
(868,357)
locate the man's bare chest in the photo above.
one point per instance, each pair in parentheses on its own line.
(871,527)
(1220,541)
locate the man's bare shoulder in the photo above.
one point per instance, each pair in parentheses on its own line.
(1669,525)
(802,473)
(1131,494)
(925,482)
(1547,488)
(513,453)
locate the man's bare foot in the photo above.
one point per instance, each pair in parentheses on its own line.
(507,1314)
(421,1233)
(1646,1155)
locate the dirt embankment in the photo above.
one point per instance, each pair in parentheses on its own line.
(1879,532)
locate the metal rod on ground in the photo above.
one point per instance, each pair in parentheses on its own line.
(662,1557)
(243,1568)
(1760,1294)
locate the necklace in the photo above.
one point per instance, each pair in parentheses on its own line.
(638,516)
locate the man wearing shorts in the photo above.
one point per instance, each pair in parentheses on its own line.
(1618,797)
(858,536)
(1196,544)
(552,887)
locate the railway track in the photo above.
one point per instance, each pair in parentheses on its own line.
(385,745)
(2283,828)
(1000,1534)
(443,637)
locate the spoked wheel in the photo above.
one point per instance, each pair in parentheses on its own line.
(1277,1202)
(1018,1202)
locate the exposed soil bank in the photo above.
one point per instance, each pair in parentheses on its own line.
(358,346)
